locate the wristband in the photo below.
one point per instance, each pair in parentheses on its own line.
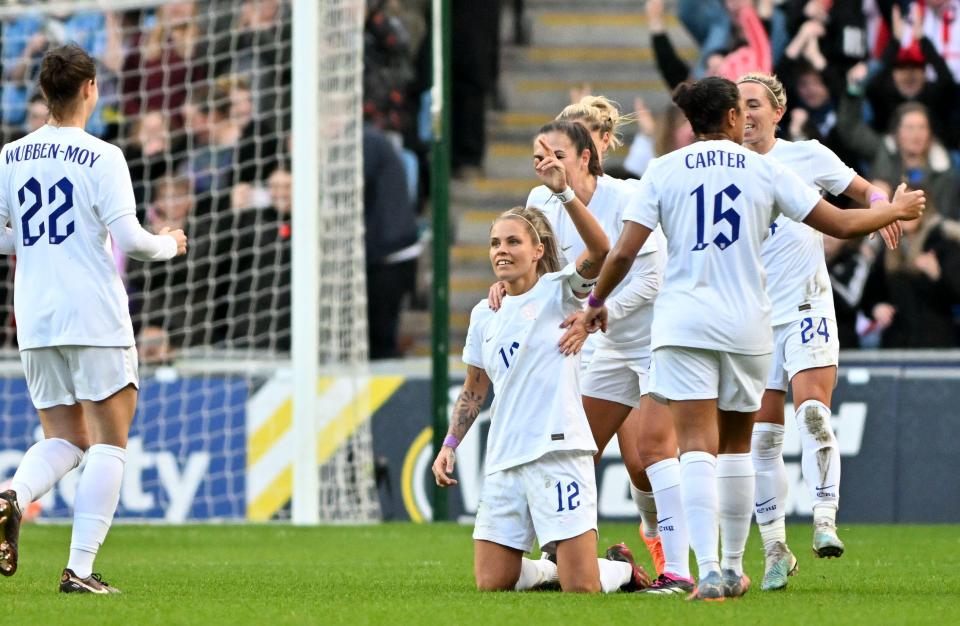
(566,195)
(876,195)
(451,442)
(595,302)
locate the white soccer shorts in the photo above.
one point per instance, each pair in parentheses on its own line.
(552,498)
(735,380)
(805,344)
(615,378)
(61,375)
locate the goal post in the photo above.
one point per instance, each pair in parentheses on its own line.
(305,326)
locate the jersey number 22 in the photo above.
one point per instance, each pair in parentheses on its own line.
(58,231)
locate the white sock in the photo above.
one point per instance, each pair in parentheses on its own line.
(535,573)
(98,493)
(771,491)
(665,479)
(821,457)
(43,465)
(647,507)
(614,574)
(735,483)
(698,490)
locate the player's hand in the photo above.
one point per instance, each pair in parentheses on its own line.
(891,234)
(573,340)
(178,236)
(595,319)
(443,467)
(550,169)
(908,205)
(495,296)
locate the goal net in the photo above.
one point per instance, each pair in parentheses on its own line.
(198,95)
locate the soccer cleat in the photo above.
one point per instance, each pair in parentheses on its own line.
(9,532)
(669,584)
(709,589)
(780,563)
(655,548)
(826,544)
(735,585)
(71,583)
(639,578)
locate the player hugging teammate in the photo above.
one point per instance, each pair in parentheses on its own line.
(711,347)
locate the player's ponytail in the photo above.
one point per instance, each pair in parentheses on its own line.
(600,115)
(62,72)
(706,103)
(581,140)
(540,231)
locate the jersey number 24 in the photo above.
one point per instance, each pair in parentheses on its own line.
(58,231)
(719,215)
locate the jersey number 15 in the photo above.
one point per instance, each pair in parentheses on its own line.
(719,215)
(58,231)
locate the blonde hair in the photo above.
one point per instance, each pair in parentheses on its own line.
(776,94)
(540,231)
(598,114)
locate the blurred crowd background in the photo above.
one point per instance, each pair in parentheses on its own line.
(198,96)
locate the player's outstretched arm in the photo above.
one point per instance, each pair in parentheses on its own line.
(615,268)
(867,194)
(465,413)
(143,246)
(825,217)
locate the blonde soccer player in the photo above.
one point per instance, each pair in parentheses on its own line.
(805,338)
(63,191)
(712,339)
(539,481)
(615,365)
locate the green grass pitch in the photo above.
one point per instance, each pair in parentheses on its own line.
(421,574)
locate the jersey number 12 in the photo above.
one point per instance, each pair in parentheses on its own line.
(719,215)
(58,231)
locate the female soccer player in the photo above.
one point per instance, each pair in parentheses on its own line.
(539,471)
(711,331)
(805,345)
(63,191)
(615,376)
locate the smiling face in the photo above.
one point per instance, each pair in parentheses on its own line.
(760,116)
(566,152)
(513,252)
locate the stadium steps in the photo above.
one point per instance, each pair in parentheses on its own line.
(603,42)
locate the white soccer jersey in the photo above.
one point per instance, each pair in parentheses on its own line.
(59,189)
(537,406)
(628,334)
(715,201)
(797,279)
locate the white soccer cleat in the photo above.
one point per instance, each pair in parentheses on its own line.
(826,543)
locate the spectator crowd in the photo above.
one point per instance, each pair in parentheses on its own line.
(876,81)
(198,95)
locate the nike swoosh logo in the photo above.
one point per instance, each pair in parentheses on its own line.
(487,339)
(660,521)
(565,249)
(822,488)
(766,501)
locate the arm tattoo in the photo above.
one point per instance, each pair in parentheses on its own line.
(465,412)
(584,267)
